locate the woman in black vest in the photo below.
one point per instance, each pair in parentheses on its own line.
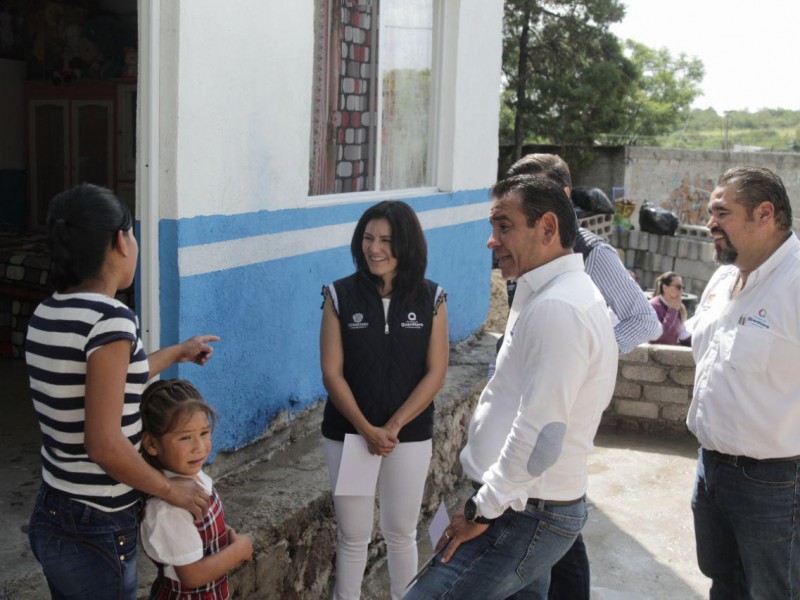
(384,352)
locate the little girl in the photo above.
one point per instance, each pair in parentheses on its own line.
(193,558)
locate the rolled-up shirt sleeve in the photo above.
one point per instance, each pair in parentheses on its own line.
(638,322)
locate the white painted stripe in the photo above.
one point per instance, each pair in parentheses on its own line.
(218,256)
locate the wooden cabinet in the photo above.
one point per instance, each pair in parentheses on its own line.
(79,133)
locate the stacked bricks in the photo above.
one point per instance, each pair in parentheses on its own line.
(599,224)
(355,119)
(650,254)
(654,389)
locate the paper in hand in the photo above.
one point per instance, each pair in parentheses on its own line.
(358,470)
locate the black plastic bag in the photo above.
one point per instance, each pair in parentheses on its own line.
(653,219)
(592,200)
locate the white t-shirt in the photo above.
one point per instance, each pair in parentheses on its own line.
(169,535)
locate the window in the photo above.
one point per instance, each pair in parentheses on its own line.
(373,93)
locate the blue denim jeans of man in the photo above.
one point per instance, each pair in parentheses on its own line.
(747,526)
(570,578)
(84,552)
(511,559)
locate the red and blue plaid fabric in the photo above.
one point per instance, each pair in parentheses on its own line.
(212,533)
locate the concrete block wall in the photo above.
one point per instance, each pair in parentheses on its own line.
(654,390)
(599,224)
(649,255)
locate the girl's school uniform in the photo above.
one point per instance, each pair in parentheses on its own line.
(171,538)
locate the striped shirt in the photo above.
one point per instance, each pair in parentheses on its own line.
(63,332)
(637,321)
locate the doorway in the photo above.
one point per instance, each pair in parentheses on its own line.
(68,94)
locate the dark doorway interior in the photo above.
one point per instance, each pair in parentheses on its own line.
(68,82)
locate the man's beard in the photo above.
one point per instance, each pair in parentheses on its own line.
(727,255)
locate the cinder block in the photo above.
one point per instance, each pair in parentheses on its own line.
(674,413)
(633,239)
(682,375)
(694,250)
(683,248)
(631,408)
(707,252)
(644,241)
(644,373)
(669,245)
(653,242)
(666,394)
(640,354)
(627,389)
(673,356)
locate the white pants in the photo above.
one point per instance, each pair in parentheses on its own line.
(401,482)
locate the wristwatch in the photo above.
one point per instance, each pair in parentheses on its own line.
(471,512)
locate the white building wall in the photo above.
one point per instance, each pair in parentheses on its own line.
(242,250)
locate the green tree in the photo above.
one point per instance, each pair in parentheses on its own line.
(665,89)
(566,74)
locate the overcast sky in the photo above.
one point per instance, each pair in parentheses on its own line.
(749,47)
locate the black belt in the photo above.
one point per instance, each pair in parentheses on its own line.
(745,461)
(538,501)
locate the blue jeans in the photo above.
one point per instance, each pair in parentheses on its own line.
(747,526)
(511,559)
(570,578)
(84,552)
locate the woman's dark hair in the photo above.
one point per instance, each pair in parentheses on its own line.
(408,247)
(81,223)
(166,404)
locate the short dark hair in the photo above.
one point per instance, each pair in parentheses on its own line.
(81,224)
(408,247)
(551,166)
(538,195)
(755,185)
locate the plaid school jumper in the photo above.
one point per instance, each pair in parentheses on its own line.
(212,533)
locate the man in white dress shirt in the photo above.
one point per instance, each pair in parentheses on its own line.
(746,406)
(535,421)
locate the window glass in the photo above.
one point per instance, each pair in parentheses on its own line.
(373,66)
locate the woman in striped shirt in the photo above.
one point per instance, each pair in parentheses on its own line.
(87,370)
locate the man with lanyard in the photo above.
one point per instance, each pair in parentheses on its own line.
(746,406)
(532,430)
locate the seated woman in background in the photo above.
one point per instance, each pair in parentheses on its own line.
(666,301)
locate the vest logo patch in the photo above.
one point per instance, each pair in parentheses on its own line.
(358,322)
(411,322)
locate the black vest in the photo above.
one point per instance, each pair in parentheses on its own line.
(384,359)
